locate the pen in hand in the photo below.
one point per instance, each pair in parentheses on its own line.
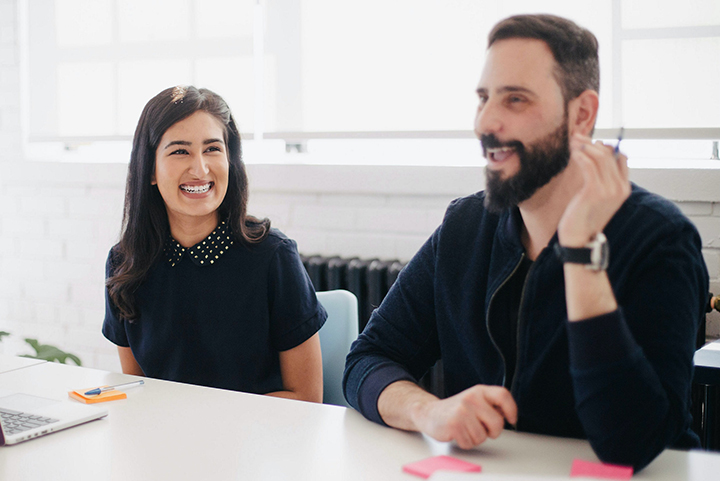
(617,146)
(99,390)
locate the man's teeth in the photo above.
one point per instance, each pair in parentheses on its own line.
(500,153)
(196,189)
(500,149)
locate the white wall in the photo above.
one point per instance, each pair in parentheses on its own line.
(57,221)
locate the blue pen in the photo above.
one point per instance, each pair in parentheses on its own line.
(99,390)
(620,137)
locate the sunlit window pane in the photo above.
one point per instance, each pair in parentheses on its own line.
(232,79)
(83,22)
(381,65)
(86,98)
(141,80)
(156,20)
(223,18)
(669,13)
(671,83)
(411,65)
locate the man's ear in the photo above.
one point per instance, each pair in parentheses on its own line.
(582,112)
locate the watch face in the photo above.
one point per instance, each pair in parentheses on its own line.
(599,253)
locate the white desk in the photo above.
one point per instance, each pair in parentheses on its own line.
(158,434)
(10,363)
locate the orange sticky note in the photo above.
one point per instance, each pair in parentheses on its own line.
(589,469)
(427,467)
(99,398)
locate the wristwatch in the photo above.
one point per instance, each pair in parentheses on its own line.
(594,256)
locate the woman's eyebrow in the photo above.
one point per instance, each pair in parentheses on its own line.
(187,143)
(177,142)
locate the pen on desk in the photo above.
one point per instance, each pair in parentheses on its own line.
(617,146)
(99,390)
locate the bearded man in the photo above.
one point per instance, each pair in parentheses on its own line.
(540,294)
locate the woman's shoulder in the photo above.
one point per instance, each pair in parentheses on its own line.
(114,258)
(275,240)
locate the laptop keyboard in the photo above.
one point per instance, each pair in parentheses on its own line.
(14,422)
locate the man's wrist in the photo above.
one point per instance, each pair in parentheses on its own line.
(594,255)
(574,240)
(404,404)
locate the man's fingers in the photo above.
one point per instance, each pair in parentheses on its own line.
(476,432)
(501,399)
(588,168)
(493,422)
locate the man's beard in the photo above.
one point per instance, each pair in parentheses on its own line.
(539,163)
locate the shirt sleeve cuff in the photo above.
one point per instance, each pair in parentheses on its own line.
(373,386)
(599,340)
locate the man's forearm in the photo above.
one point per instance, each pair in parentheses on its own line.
(587,293)
(401,403)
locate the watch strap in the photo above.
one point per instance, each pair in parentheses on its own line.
(594,255)
(574,255)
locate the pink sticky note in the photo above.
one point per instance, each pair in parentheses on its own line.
(426,467)
(589,469)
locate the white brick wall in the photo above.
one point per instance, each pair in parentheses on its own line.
(57,221)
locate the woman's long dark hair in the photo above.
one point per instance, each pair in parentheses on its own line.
(145,223)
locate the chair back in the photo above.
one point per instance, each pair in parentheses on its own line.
(336,336)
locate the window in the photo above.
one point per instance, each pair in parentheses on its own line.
(314,71)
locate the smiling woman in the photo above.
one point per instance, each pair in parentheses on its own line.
(191,173)
(197,290)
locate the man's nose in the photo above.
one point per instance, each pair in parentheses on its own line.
(488,119)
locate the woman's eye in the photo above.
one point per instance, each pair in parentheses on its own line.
(179,152)
(213,148)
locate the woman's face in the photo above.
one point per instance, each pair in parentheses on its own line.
(191,169)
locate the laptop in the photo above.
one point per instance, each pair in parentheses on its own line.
(24,417)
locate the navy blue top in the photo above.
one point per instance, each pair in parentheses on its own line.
(218,314)
(621,380)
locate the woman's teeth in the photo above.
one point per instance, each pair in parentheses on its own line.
(196,189)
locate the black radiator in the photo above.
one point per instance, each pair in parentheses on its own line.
(369,280)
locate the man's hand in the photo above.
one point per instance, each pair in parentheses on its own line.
(468,418)
(605,187)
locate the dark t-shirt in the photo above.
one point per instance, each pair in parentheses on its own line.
(218,315)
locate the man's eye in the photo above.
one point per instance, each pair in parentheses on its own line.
(516,99)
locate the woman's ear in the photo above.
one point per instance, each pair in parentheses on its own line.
(582,113)
(152,179)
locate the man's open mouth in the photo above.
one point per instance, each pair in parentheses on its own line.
(499,154)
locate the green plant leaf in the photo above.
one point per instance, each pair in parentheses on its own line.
(47,352)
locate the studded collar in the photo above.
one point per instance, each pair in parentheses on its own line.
(204,253)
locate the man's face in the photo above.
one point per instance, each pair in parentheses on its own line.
(521,121)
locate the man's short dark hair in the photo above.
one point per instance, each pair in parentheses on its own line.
(575,49)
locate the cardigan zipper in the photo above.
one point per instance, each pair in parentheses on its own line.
(517,334)
(487,317)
